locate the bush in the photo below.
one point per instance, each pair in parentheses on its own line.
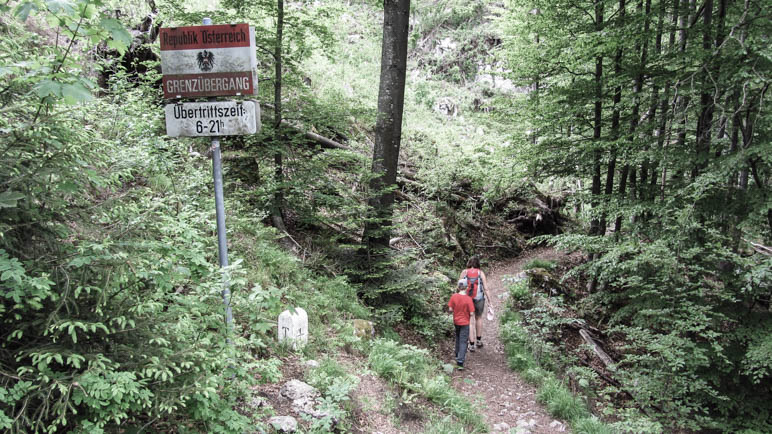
(411,369)
(560,402)
(540,263)
(521,294)
(592,425)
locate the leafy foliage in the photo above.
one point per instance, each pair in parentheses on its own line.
(412,370)
(645,96)
(536,359)
(111,300)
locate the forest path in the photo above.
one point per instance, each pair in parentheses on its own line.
(507,401)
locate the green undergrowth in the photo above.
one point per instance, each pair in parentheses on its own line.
(542,363)
(417,374)
(335,385)
(111,306)
(440,153)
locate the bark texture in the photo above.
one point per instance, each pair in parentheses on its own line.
(388,126)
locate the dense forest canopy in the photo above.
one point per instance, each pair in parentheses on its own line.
(634,135)
(660,108)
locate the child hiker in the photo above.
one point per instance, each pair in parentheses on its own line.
(463,308)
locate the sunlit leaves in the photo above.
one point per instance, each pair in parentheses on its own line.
(75,93)
(120,39)
(23,10)
(9,199)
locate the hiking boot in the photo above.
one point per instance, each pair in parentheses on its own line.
(479,343)
(459,366)
(471,347)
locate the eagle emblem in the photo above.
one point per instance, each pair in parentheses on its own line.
(205,60)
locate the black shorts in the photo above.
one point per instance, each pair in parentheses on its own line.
(479,307)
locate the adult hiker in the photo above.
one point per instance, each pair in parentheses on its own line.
(462,307)
(476,287)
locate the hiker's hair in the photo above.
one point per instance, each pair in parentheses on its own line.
(473,262)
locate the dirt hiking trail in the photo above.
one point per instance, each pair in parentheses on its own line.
(507,402)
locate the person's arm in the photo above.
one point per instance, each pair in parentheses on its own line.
(450,307)
(485,282)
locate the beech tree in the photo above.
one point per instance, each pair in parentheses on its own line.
(388,125)
(677,122)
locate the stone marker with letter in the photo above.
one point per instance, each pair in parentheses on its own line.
(293,327)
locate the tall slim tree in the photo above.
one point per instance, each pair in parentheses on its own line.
(278,199)
(388,125)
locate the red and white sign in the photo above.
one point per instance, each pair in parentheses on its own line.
(215,60)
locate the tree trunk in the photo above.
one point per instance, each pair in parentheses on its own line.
(663,131)
(595,228)
(388,125)
(595,223)
(705,121)
(641,191)
(278,198)
(634,119)
(612,164)
(682,105)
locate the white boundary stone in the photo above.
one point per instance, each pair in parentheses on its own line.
(293,327)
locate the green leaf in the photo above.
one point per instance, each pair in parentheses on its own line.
(120,37)
(75,93)
(58,6)
(87,11)
(47,87)
(23,10)
(8,199)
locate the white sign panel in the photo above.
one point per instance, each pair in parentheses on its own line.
(212,60)
(224,118)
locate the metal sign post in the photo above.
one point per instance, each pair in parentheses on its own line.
(222,240)
(207,61)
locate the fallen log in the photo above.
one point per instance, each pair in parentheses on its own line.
(324,141)
(760,248)
(608,361)
(618,385)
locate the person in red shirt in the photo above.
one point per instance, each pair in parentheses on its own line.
(463,308)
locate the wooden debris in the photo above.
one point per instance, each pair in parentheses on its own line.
(608,361)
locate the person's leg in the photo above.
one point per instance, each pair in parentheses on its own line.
(478,326)
(479,310)
(470,336)
(459,342)
(462,338)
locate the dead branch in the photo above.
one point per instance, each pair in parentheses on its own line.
(759,248)
(324,141)
(416,243)
(597,349)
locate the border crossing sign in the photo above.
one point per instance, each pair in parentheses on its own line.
(215,60)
